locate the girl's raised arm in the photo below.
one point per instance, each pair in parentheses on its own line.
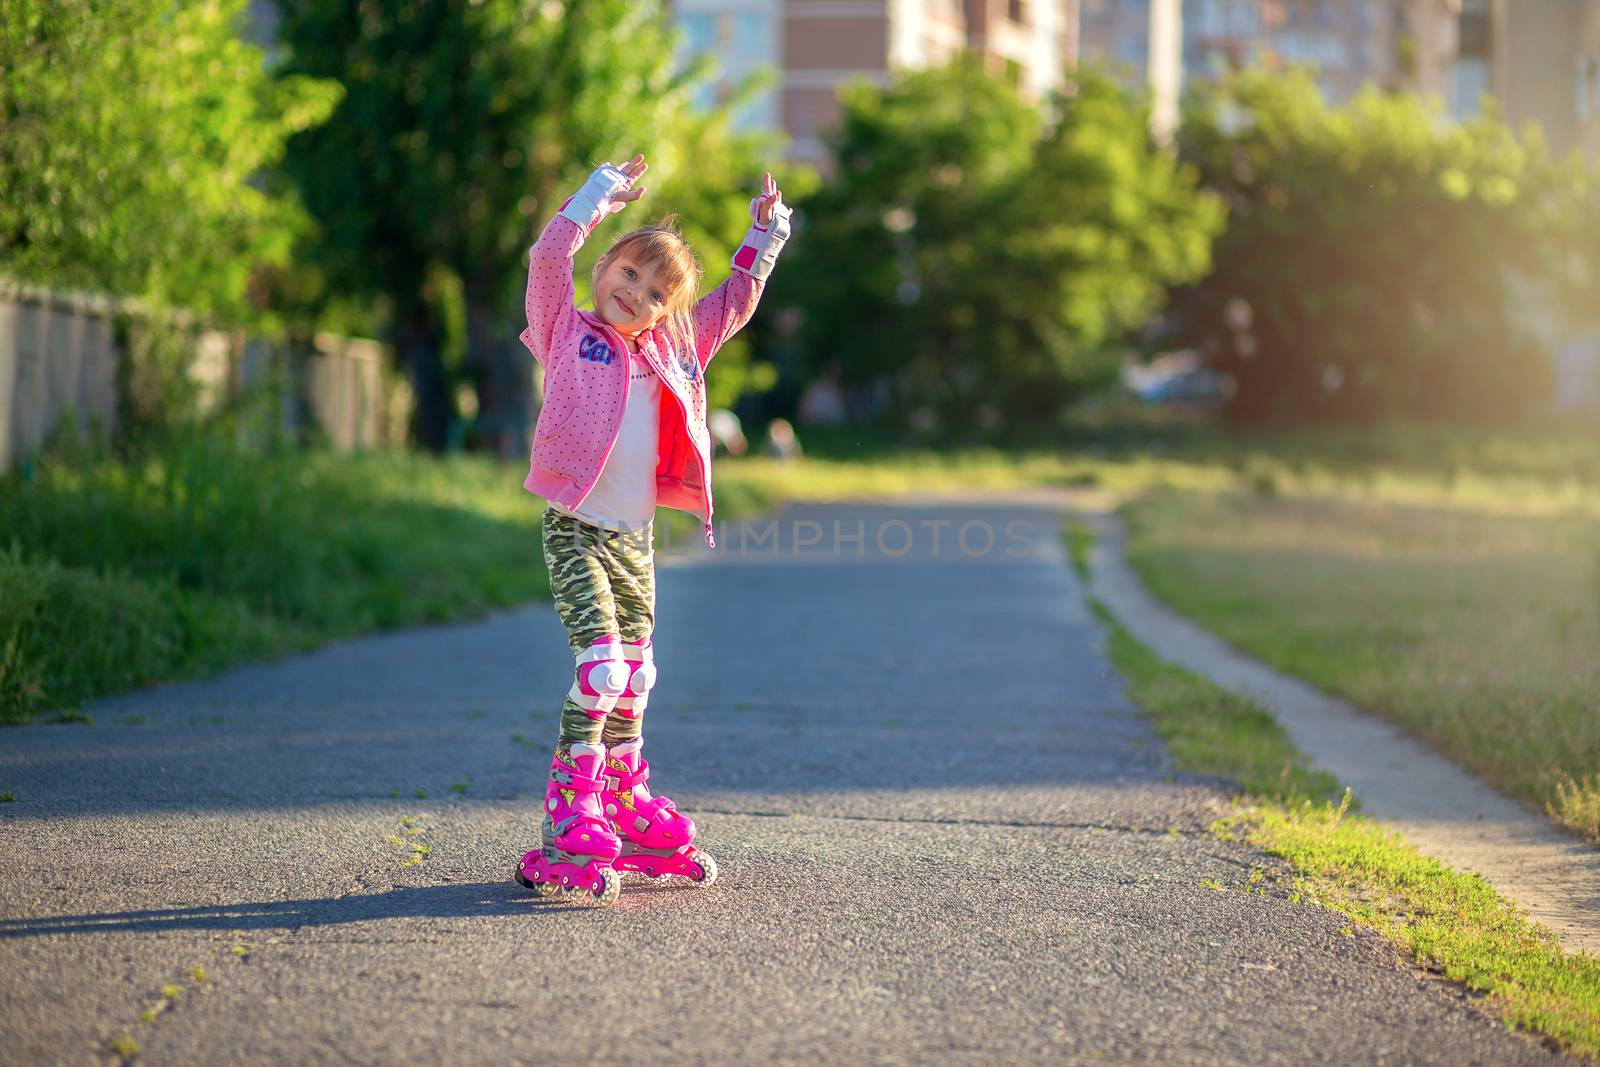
(725,310)
(549,298)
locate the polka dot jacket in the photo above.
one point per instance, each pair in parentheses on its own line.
(586,378)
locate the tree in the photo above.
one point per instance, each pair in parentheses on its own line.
(464,124)
(131,136)
(984,255)
(1367,268)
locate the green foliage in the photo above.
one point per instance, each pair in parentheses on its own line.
(986,255)
(130,135)
(201,553)
(463,127)
(1210,730)
(1475,631)
(69,633)
(1450,921)
(1367,266)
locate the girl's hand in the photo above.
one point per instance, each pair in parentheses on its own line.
(634,169)
(761,206)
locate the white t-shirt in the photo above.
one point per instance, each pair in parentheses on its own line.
(624,498)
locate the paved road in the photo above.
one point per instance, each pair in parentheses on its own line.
(944,836)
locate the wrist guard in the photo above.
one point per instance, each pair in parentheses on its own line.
(593,202)
(762,244)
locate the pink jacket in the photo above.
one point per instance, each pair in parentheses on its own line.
(586,381)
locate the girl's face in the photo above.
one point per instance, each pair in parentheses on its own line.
(630,295)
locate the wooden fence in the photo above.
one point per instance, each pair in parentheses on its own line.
(62,363)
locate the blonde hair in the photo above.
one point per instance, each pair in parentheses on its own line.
(663,246)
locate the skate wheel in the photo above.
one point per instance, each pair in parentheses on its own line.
(708,870)
(610,888)
(543,890)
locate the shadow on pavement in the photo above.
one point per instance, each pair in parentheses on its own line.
(475,900)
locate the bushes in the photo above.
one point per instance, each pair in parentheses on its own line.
(986,256)
(117,573)
(67,633)
(148,191)
(1369,263)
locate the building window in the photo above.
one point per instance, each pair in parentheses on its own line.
(699,32)
(699,37)
(750,34)
(1470,81)
(1474,33)
(1587,97)
(1131,48)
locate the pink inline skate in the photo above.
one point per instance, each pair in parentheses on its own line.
(656,840)
(578,843)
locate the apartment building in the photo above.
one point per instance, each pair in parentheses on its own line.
(1031,41)
(817,46)
(1348,43)
(1586,83)
(1539,59)
(1115,35)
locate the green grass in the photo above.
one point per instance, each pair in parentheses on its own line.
(1447,921)
(1523,471)
(1479,633)
(1211,730)
(174,563)
(1080,540)
(116,574)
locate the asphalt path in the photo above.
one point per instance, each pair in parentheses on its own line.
(943,833)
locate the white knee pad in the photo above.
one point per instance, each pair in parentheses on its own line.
(632,703)
(602,677)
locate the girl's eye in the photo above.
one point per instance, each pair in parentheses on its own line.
(657,297)
(629,272)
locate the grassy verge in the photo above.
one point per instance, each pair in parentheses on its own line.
(1451,923)
(115,574)
(1478,632)
(1498,472)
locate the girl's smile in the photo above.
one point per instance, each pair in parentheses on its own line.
(631,296)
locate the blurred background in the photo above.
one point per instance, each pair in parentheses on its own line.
(1307,287)
(1274,210)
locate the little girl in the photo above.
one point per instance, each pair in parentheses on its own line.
(622,430)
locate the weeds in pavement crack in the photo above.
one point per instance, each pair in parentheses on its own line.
(123,1045)
(416,850)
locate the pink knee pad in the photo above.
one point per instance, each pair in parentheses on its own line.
(640,658)
(602,678)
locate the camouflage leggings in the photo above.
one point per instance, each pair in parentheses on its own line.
(603,583)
